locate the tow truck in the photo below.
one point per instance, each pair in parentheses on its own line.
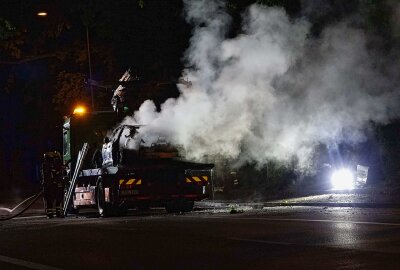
(110,168)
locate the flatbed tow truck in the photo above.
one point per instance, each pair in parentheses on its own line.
(109,167)
(112,177)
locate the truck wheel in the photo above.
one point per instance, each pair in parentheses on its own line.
(172,207)
(179,206)
(103,207)
(187,206)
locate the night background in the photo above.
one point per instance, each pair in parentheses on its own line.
(44,70)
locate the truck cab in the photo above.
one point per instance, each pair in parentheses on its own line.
(81,127)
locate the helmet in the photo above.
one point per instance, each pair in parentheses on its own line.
(54,155)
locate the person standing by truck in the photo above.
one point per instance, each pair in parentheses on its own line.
(52,183)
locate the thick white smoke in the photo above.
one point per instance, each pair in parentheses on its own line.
(271,92)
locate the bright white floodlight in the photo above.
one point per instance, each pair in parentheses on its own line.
(342,179)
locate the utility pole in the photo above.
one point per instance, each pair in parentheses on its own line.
(90,65)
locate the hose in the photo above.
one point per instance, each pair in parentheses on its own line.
(33,199)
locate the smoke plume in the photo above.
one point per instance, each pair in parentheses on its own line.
(273,91)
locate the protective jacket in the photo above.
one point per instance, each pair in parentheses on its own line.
(53,183)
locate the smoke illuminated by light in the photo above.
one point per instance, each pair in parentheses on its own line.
(274,91)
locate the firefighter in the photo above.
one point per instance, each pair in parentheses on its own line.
(53,183)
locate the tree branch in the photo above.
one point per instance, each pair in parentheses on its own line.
(28,59)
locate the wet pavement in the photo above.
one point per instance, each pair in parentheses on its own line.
(371,195)
(367,197)
(307,232)
(269,238)
(362,198)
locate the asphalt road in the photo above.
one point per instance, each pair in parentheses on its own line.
(271,238)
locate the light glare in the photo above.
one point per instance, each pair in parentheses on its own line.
(80,110)
(342,179)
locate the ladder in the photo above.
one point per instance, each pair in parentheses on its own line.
(81,156)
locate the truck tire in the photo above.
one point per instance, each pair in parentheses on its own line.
(104,208)
(187,206)
(172,207)
(178,206)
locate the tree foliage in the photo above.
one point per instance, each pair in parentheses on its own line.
(71,90)
(10,40)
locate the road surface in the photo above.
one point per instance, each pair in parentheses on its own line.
(270,238)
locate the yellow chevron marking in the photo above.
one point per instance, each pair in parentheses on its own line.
(205,178)
(188,180)
(121,181)
(139,182)
(130,181)
(197,179)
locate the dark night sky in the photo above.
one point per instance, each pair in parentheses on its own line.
(150,39)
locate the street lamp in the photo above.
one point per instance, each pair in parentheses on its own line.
(90,65)
(44,14)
